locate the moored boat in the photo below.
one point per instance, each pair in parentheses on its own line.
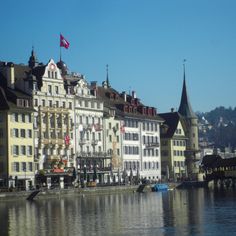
(160,187)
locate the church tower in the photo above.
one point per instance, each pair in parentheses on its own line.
(191,125)
(33,62)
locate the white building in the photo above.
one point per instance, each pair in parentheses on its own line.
(139,134)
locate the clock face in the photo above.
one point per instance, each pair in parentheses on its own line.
(52,66)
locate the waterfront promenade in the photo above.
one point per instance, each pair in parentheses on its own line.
(52,193)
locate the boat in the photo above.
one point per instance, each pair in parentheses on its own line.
(160,187)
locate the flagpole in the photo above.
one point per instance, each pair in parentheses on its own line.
(60,53)
(60,46)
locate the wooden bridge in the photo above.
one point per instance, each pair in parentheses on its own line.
(221,171)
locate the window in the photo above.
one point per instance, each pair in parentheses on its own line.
(15,117)
(23,118)
(22,133)
(57,103)
(15,150)
(15,133)
(29,150)
(23,166)
(70,105)
(109,125)
(36,102)
(48,74)
(43,103)
(110,138)
(55,74)
(30,166)
(23,150)
(64,104)
(16,167)
(50,89)
(29,118)
(157,152)
(50,103)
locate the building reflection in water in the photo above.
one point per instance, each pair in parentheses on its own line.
(178,212)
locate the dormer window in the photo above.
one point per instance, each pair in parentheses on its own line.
(49,74)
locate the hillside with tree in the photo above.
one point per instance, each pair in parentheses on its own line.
(218,127)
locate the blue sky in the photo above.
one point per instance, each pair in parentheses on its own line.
(144,43)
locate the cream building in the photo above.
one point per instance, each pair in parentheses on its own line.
(173,146)
(17,167)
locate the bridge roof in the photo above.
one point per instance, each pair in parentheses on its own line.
(216,161)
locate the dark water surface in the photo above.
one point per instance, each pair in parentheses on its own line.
(178,212)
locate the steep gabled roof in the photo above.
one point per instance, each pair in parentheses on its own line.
(171,120)
(185,108)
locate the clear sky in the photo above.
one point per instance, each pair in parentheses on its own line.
(144,43)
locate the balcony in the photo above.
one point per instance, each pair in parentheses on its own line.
(152,145)
(94,142)
(101,155)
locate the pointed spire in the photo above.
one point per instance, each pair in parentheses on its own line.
(107,79)
(185,108)
(33,59)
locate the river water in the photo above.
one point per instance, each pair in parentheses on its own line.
(177,212)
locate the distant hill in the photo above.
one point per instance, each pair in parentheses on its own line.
(218,127)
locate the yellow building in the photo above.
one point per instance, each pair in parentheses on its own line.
(16,139)
(173,146)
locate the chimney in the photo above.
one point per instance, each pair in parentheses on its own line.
(10,75)
(134,94)
(124,96)
(172,109)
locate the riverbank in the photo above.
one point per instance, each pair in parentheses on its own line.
(54,193)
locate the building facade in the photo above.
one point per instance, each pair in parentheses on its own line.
(17,164)
(173,146)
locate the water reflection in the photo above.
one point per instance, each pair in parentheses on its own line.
(180,212)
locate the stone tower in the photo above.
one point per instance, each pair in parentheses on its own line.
(191,126)
(33,62)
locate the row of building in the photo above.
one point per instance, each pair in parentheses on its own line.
(53,121)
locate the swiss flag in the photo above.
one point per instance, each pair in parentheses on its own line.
(67,140)
(63,42)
